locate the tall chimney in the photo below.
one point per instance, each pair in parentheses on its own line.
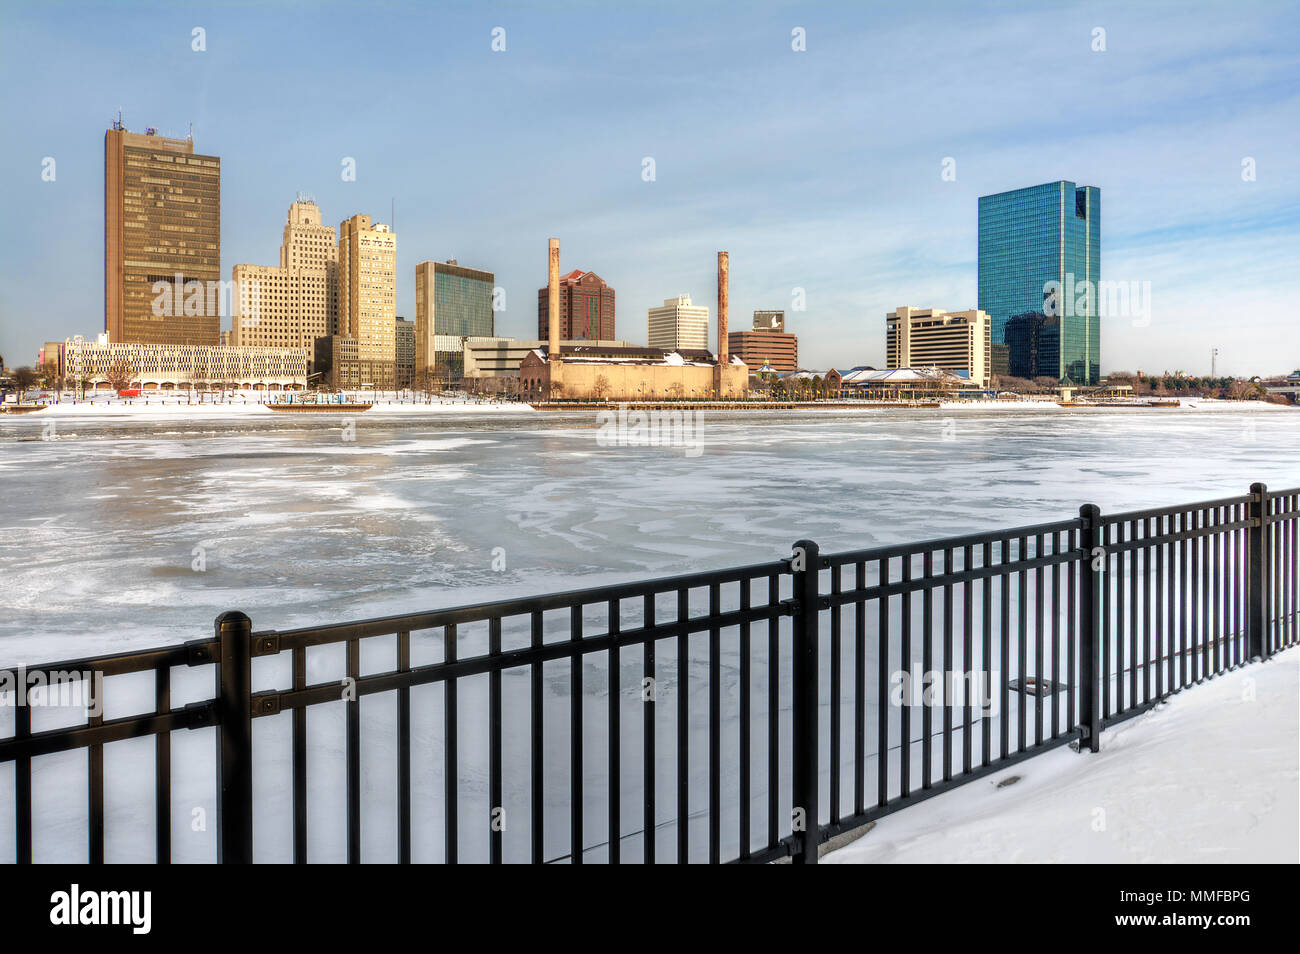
(553,300)
(724,269)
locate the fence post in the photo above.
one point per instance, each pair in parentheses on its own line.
(806,565)
(234,739)
(1090,674)
(1257,608)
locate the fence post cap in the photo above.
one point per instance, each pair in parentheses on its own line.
(1258,488)
(232,619)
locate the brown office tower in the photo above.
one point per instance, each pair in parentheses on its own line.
(586,308)
(162,240)
(777,350)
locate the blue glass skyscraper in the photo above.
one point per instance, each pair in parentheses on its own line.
(1040,254)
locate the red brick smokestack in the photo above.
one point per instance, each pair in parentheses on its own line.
(553,300)
(724,268)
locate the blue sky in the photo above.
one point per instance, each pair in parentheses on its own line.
(818,170)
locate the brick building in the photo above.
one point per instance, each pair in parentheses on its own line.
(586,308)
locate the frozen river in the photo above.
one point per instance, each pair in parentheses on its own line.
(131,533)
(128,533)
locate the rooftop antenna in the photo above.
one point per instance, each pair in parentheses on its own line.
(118,123)
(190,137)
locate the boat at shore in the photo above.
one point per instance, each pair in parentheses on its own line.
(310,408)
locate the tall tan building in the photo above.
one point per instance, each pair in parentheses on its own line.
(367,264)
(162,223)
(934,338)
(296,302)
(680,325)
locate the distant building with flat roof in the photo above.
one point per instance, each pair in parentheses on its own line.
(337,363)
(169,367)
(776,349)
(1036,247)
(678,324)
(162,224)
(452,302)
(404,367)
(955,341)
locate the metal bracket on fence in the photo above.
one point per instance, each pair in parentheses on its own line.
(198,715)
(200,652)
(266,703)
(266,644)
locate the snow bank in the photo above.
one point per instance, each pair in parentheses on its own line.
(142,410)
(1209,776)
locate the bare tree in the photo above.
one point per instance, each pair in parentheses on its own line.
(600,389)
(25,379)
(120,374)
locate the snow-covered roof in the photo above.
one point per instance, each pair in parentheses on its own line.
(908,376)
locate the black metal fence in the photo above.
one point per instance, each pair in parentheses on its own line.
(743,715)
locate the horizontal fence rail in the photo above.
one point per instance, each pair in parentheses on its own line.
(740,715)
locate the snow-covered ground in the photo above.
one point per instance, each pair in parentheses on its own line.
(1209,776)
(172,406)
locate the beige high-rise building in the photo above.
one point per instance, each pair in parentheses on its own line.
(367,265)
(296,302)
(934,338)
(162,223)
(679,325)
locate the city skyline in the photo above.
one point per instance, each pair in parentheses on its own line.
(857,227)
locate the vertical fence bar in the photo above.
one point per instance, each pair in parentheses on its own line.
(299,730)
(1022,621)
(234,739)
(451,784)
(859,691)
(1257,601)
(1184,646)
(927,666)
(986,656)
(615,735)
(773,712)
(805,707)
(22,783)
(1090,675)
(1004,647)
(1136,568)
(404,753)
(1219,629)
(715,727)
(835,676)
(947,666)
(162,769)
(95,795)
(537,798)
(882,687)
(743,728)
(575,735)
(1039,696)
(1104,539)
(967,650)
(683,728)
(1056,637)
(1159,602)
(649,690)
(905,666)
(354,753)
(1072,541)
(495,808)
